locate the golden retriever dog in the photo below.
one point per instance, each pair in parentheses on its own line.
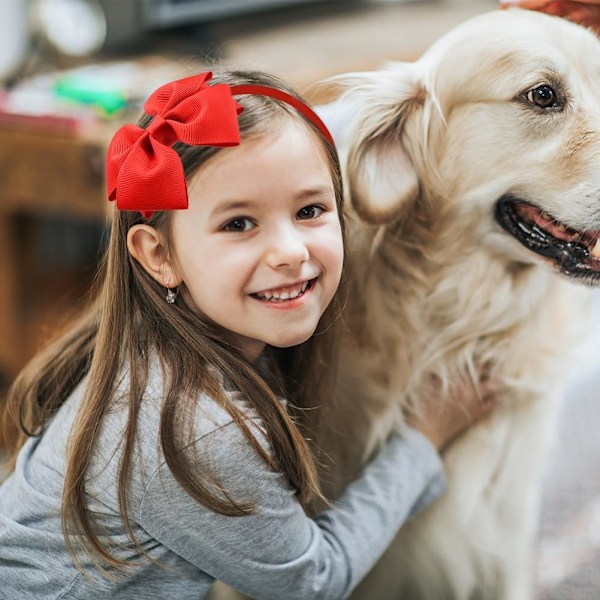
(475,177)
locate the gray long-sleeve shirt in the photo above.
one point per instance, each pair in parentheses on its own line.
(278,552)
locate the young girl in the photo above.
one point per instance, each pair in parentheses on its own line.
(164,443)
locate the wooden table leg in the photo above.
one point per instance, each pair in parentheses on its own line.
(11,315)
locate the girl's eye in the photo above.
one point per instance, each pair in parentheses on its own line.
(310,212)
(239,225)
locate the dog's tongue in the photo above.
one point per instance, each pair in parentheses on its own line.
(544,221)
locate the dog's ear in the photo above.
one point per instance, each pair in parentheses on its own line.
(380,175)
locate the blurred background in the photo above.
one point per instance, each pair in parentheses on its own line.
(73,71)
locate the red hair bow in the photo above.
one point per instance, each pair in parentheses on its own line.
(143,171)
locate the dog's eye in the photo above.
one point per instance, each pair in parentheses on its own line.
(543,96)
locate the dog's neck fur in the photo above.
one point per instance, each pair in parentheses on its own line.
(451,302)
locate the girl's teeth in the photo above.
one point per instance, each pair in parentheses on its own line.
(285,295)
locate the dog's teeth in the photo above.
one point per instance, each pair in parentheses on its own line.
(546,216)
(561,227)
(596,249)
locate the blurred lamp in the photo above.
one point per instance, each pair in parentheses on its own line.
(14,33)
(73,27)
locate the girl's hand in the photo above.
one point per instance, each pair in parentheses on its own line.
(443,421)
(584,12)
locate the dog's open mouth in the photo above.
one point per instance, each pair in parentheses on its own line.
(575,253)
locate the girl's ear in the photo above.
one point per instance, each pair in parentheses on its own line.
(146,245)
(382,180)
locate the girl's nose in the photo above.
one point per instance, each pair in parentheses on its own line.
(287,249)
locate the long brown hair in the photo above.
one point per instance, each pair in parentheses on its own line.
(129,321)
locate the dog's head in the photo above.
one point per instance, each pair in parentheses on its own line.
(499,122)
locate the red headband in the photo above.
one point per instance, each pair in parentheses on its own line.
(144,173)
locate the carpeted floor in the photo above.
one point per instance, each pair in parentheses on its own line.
(568,565)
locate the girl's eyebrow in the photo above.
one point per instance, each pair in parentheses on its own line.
(320,190)
(231,205)
(244,204)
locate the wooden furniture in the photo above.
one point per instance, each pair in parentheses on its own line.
(42,173)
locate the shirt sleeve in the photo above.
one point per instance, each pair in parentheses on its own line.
(280,552)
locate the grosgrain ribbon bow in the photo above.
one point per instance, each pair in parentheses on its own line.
(143,171)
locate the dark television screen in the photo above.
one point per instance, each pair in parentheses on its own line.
(166,13)
(128,20)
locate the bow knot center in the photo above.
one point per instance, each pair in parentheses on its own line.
(161,130)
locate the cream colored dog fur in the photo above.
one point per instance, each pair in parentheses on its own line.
(476,174)
(474,171)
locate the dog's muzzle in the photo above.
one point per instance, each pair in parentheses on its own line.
(575,253)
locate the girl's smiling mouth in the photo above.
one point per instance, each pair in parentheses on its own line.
(285,294)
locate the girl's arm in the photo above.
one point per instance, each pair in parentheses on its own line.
(279,552)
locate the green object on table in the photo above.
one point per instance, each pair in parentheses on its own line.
(91,91)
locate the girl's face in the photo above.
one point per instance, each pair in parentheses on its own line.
(259,251)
